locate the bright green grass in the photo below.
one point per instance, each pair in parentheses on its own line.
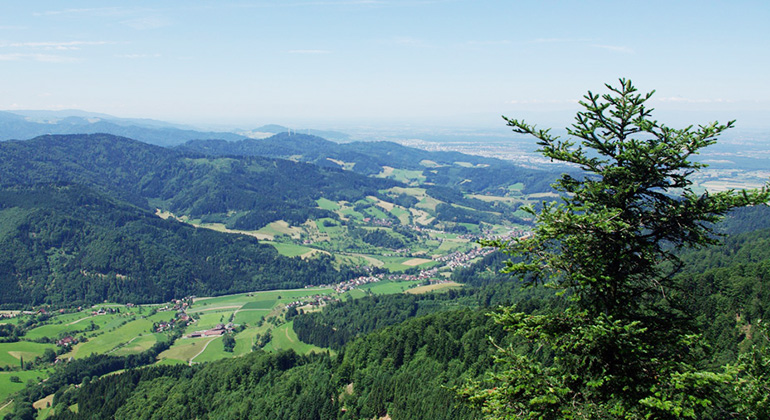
(11,353)
(183,350)
(290,250)
(260,304)
(7,387)
(350,213)
(210,320)
(402,215)
(327,204)
(289,295)
(406,176)
(389,287)
(285,338)
(111,338)
(214,351)
(398,266)
(71,324)
(238,300)
(355,293)
(471,227)
(451,246)
(138,344)
(375,212)
(428,203)
(171,362)
(352,260)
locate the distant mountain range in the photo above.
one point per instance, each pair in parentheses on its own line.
(23,125)
(15,126)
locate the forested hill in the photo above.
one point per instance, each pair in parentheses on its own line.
(69,244)
(256,190)
(453,169)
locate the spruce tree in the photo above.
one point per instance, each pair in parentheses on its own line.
(623,348)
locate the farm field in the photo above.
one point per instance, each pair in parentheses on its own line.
(184,350)
(11,354)
(284,337)
(438,287)
(7,387)
(118,335)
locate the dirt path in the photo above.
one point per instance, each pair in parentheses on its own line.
(219,308)
(287,336)
(78,320)
(202,350)
(6,405)
(122,345)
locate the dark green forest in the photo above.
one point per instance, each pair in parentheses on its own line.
(68,244)
(258,190)
(416,367)
(369,158)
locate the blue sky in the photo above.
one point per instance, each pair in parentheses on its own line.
(331,63)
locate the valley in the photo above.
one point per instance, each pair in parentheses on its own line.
(126,257)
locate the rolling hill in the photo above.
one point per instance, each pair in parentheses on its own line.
(473,174)
(250,191)
(64,244)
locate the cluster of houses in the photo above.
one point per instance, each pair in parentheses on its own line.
(420,276)
(315,300)
(378,222)
(220,329)
(67,341)
(181,318)
(178,304)
(461,259)
(105,311)
(356,282)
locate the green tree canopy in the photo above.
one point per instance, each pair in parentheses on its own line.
(622,349)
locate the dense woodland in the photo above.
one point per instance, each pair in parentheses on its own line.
(416,367)
(370,158)
(68,244)
(151,176)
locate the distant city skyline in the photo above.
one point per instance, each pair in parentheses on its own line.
(369,62)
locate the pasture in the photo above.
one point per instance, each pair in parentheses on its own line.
(11,354)
(438,287)
(7,387)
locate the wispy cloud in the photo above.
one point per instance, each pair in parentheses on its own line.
(93,11)
(405,41)
(490,42)
(56,45)
(137,56)
(614,48)
(147,22)
(45,58)
(309,52)
(556,40)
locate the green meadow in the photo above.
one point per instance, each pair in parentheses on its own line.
(7,387)
(11,354)
(284,337)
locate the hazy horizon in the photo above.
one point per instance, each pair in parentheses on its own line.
(332,64)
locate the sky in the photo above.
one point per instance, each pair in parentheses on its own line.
(380,62)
